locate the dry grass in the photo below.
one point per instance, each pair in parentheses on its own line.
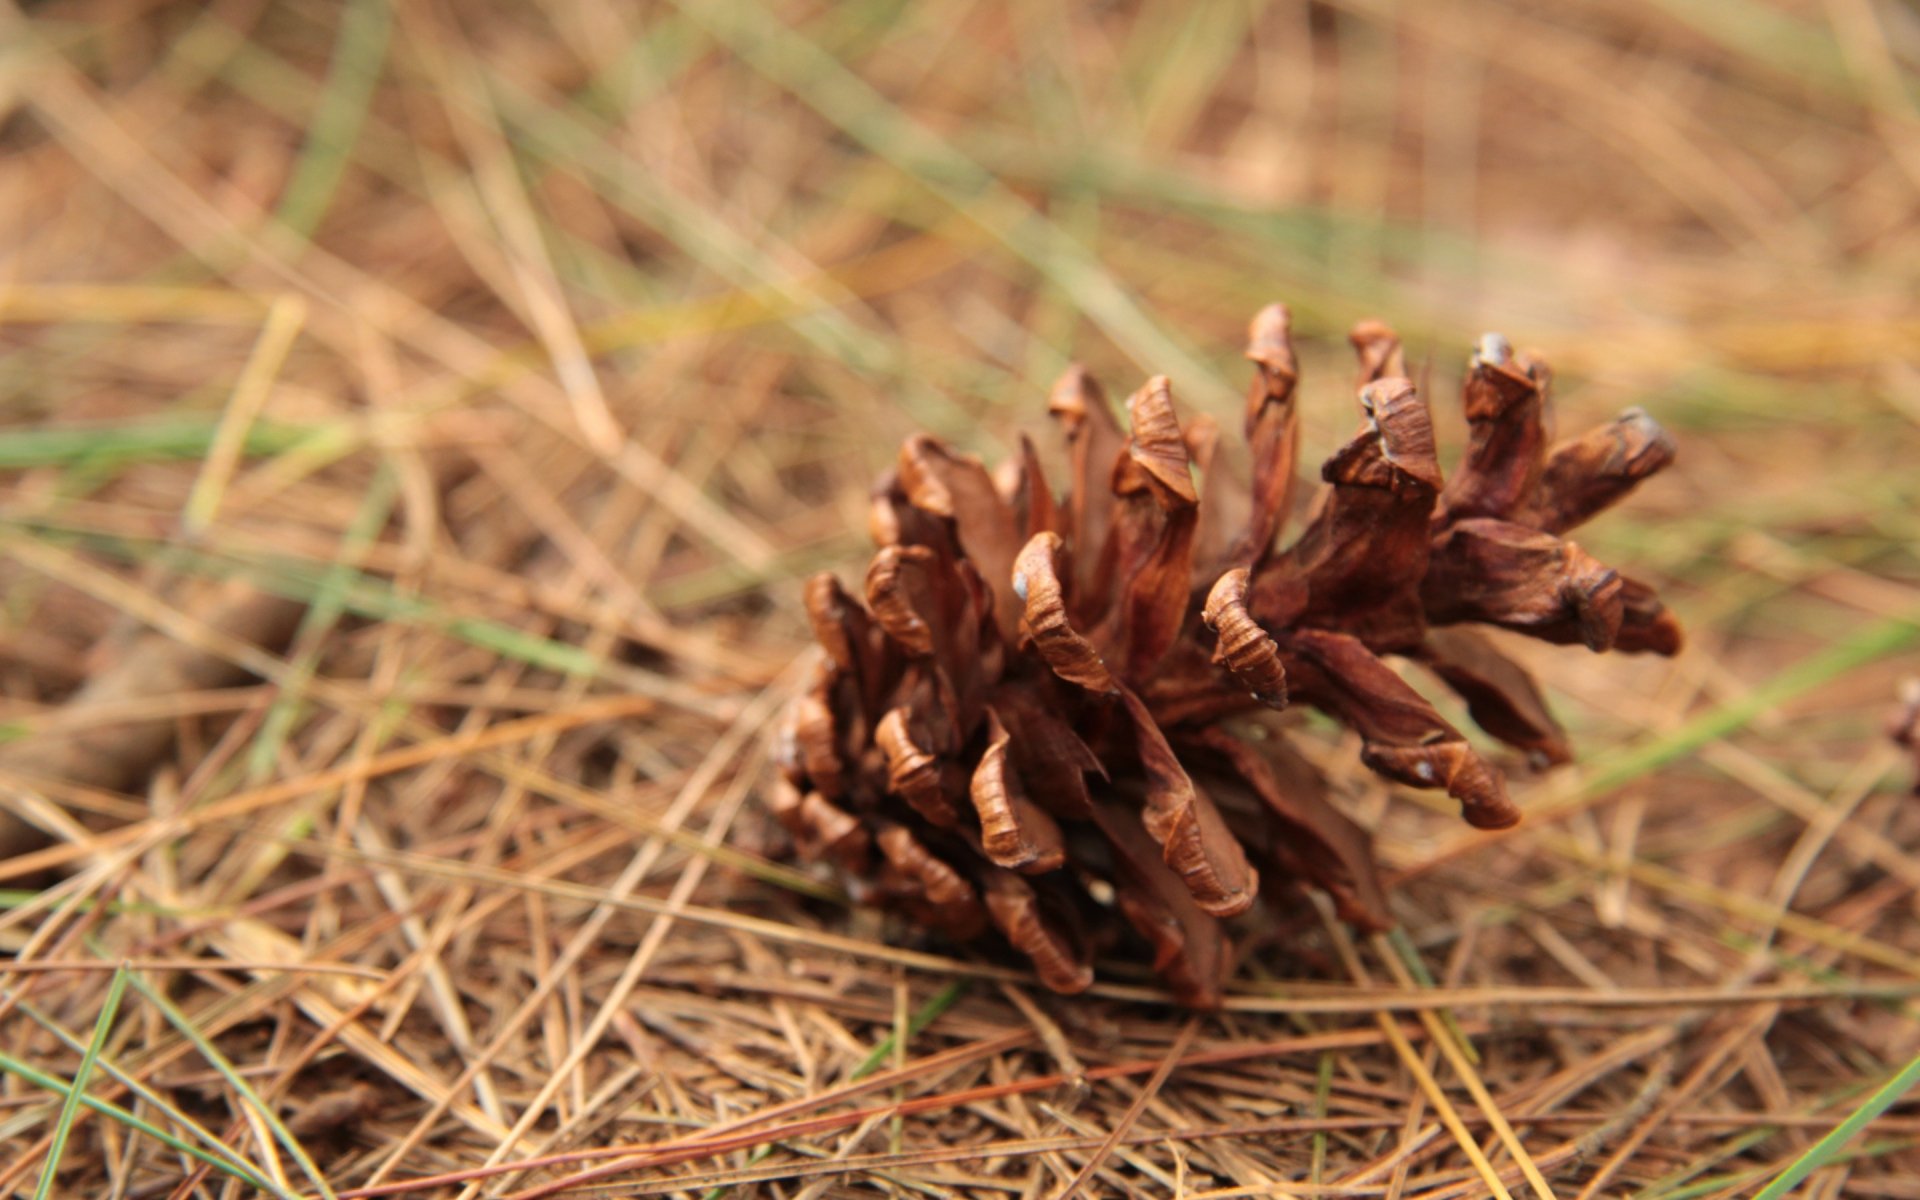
(416,423)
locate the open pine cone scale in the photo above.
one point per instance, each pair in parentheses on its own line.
(1047,710)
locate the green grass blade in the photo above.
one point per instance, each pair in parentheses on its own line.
(1872,644)
(358,53)
(1409,954)
(940,1002)
(363,595)
(329,602)
(70,1108)
(180,1021)
(375,599)
(127,1080)
(1824,1150)
(132,441)
(60,1087)
(1322,1097)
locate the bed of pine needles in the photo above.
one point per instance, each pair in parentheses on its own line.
(417,422)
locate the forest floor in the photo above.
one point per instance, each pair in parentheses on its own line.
(418,420)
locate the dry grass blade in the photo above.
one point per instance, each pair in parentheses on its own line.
(1456,1056)
(277,336)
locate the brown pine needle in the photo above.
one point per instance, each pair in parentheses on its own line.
(1147,1092)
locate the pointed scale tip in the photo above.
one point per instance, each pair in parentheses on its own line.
(1494,350)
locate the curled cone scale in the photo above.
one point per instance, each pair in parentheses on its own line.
(1052,716)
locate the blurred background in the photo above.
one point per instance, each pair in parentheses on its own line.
(418,418)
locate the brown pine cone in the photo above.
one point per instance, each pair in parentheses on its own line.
(1052,708)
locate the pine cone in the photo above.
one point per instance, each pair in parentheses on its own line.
(1052,708)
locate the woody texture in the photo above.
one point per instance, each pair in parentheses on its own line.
(1049,716)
